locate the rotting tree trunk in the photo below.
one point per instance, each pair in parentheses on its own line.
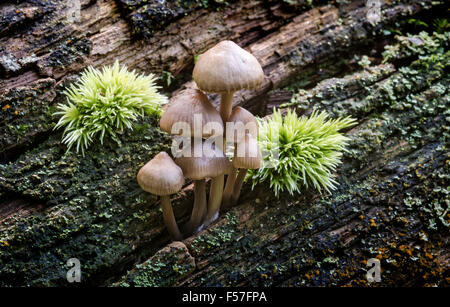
(56,205)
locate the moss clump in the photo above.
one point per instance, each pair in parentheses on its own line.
(106,102)
(300,151)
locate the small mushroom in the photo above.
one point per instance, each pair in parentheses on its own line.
(224,69)
(242,119)
(244,159)
(209,164)
(161,176)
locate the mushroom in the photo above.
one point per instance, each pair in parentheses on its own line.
(224,69)
(184,108)
(243,122)
(162,177)
(245,158)
(211,163)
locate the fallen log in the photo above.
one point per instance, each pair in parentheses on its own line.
(56,205)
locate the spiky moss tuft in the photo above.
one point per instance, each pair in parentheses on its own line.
(309,150)
(106,102)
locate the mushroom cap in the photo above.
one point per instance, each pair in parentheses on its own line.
(226,67)
(184,106)
(161,176)
(208,164)
(250,157)
(241,115)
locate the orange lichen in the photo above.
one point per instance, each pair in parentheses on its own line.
(406,249)
(404,220)
(6,107)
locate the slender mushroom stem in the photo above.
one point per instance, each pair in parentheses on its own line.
(215,199)
(216,192)
(238,185)
(169,218)
(199,209)
(226,199)
(226,104)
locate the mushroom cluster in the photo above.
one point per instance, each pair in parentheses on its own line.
(204,135)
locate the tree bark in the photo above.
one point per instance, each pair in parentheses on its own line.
(390,203)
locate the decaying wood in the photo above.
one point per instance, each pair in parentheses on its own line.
(56,205)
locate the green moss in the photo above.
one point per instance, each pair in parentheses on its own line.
(217,236)
(94,202)
(106,102)
(163,269)
(300,151)
(25,113)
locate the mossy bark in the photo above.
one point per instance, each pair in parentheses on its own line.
(393,194)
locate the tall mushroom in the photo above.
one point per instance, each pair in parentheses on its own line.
(162,177)
(245,158)
(211,163)
(224,69)
(243,122)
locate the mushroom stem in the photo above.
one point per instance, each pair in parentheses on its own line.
(238,185)
(227,193)
(169,218)
(215,199)
(199,209)
(226,104)
(216,192)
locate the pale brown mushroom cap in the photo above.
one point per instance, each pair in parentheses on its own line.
(184,106)
(251,157)
(241,115)
(161,176)
(226,67)
(205,165)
